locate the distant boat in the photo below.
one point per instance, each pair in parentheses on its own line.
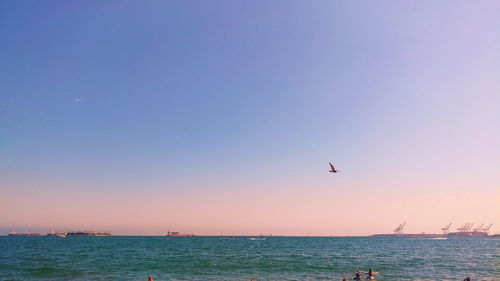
(332,169)
(88,233)
(177,234)
(56,234)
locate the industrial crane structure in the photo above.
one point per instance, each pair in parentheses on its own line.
(446,228)
(399,229)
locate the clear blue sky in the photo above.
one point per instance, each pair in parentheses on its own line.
(234,96)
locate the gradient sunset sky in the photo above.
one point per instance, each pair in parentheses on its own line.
(220,117)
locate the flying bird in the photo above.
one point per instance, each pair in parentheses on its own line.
(332,169)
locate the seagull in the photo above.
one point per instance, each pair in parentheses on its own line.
(332,169)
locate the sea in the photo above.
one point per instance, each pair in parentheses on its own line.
(128,258)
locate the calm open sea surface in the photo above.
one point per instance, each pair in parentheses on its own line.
(221,258)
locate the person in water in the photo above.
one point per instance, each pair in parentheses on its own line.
(150,278)
(370,275)
(467,279)
(357,277)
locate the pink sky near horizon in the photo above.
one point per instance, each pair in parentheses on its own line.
(283,211)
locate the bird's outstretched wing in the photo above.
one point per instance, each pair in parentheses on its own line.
(332,168)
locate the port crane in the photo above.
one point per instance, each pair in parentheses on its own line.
(487,229)
(446,228)
(466,227)
(479,228)
(469,227)
(399,229)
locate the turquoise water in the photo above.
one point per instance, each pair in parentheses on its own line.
(221,258)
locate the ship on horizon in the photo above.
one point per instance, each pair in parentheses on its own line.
(57,234)
(177,234)
(88,233)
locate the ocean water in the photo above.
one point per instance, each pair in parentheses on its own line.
(222,258)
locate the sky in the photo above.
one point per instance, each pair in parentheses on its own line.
(220,117)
